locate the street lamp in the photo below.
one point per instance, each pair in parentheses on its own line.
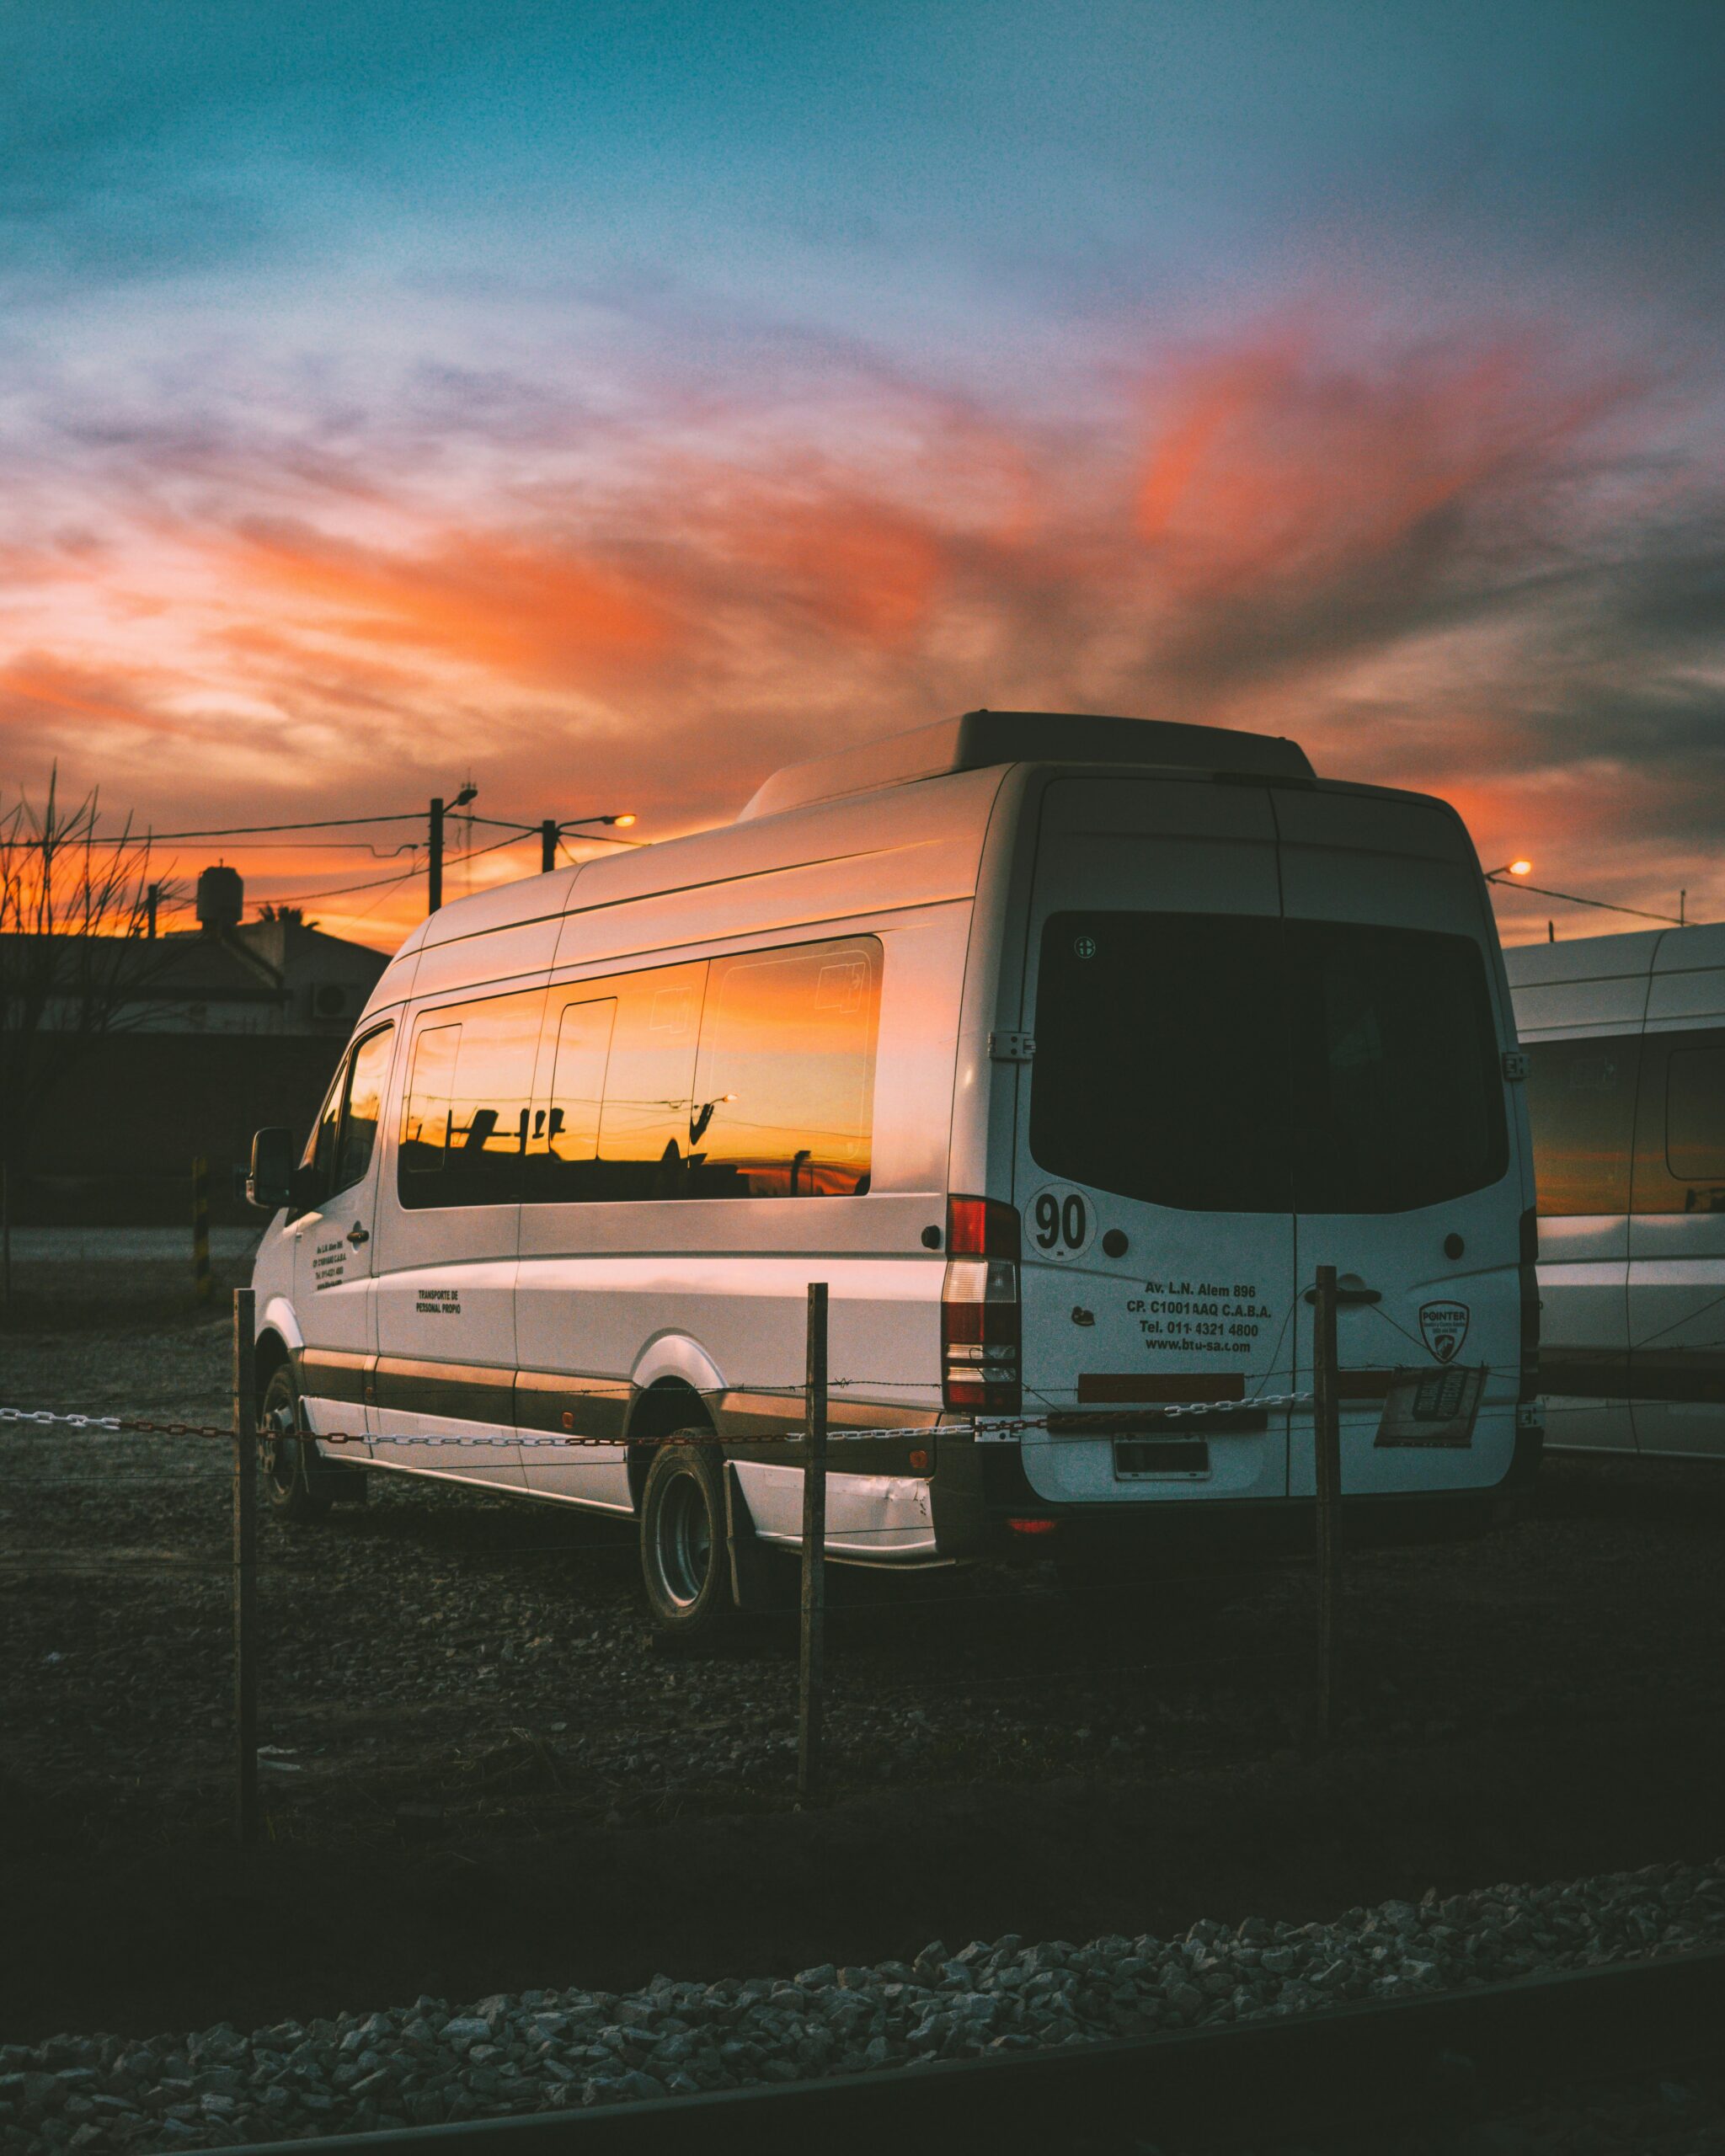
(434,851)
(552,830)
(1519,868)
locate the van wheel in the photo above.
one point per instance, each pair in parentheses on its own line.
(684,1557)
(286,1480)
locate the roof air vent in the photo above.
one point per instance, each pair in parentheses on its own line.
(981,738)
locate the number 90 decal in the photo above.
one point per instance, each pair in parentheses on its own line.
(1060,1222)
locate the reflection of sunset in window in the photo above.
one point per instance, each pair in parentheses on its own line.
(786,1069)
(643,1136)
(464,1120)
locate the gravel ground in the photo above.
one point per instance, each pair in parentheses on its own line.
(482,1774)
(438,1657)
(423,2063)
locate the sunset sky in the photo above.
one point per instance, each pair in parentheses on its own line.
(615,401)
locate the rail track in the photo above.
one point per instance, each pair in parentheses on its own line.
(1284,2078)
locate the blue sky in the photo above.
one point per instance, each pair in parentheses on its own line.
(630,398)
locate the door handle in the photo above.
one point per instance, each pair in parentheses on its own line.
(356,1234)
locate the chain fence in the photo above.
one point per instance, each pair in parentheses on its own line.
(1011,1659)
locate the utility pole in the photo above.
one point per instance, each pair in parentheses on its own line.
(812,1672)
(548,845)
(434,864)
(1326,1460)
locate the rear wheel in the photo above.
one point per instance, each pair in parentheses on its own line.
(287,1479)
(685,1559)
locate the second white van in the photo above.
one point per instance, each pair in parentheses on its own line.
(1625,1037)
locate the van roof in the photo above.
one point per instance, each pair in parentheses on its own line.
(980,739)
(1637,951)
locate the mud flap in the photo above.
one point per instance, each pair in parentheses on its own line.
(753,1584)
(341,1482)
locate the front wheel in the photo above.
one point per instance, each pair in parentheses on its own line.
(287,1480)
(685,1560)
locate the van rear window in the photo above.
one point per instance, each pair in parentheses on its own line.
(1235,1063)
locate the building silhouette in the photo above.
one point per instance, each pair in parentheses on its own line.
(215,1030)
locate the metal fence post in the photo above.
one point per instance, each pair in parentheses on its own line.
(811,1674)
(245,1563)
(1326,1448)
(200,1228)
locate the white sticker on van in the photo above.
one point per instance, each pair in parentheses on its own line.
(1061,1222)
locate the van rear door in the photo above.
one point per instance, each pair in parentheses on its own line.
(1149,1173)
(1402,1145)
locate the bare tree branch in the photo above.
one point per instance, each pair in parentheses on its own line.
(75,955)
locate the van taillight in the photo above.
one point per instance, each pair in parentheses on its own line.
(980,1332)
(1530,1255)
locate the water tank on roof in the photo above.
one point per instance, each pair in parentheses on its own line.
(221,900)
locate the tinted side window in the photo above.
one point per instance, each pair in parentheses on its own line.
(1679,1155)
(370,1075)
(1695,1114)
(464,1124)
(562,1145)
(644,1137)
(785,1085)
(1581,1104)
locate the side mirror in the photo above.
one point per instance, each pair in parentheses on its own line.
(270,1185)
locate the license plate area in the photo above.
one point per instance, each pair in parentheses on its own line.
(1160,1459)
(1431,1407)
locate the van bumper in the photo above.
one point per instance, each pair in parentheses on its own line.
(977,1490)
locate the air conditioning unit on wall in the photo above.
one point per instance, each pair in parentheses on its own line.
(330,1000)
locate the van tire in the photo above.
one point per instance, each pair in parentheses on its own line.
(685,1564)
(288,1488)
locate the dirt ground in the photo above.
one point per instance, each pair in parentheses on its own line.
(483,1772)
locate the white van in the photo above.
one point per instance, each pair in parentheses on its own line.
(1063,1048)
(1625,1038)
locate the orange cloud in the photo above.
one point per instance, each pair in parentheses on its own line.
(1278,463)
(532,609)
(1390,557)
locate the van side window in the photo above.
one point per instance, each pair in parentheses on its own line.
(368,1074)
(424,1120)
(1679,1151)
(645,1125)
(319,1155)
(785,1084)
(1695,1114)
(464,1123)
(563,1161)
(1581,1105)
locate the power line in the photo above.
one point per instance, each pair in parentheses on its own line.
(342,890)
(129,837)
(1569,898)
